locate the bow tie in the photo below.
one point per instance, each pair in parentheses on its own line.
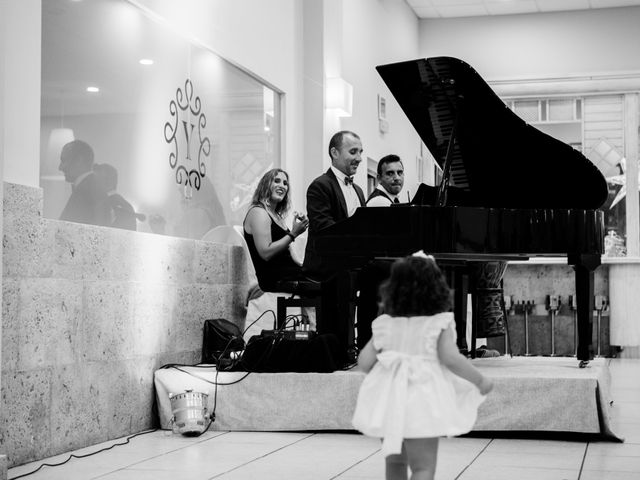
(348,180)
(395,200)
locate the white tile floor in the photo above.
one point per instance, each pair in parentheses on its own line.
(348,456)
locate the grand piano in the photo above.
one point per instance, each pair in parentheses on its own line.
(508,191)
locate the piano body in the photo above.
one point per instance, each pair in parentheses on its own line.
(508,190)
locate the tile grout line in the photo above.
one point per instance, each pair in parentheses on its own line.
(584,458)
(158,455)
(357,463)
(474,459)
(261,457)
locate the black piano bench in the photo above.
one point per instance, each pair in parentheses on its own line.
(304,293)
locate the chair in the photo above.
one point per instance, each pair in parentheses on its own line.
(303,294)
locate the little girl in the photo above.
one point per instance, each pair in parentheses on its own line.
(419,387)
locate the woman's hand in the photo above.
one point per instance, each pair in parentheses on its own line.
(300,224)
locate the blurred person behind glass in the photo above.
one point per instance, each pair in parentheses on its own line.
(88,200)
(121,212)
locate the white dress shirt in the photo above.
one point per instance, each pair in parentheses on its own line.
(350,195)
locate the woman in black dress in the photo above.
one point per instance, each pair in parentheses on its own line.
(267,235)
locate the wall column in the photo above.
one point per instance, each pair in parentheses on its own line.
(631,131)
(21,90)
(332,63)
(313,93)
(3,29)
(20,35)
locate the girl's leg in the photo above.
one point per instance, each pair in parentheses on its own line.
(396,466)
(422,454)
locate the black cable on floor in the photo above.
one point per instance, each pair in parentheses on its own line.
(73,455)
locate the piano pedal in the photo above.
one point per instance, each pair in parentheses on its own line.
(527,309)
(600,302)
(553,303)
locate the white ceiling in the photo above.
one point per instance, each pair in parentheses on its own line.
(475,8)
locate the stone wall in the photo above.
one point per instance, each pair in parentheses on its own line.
(89,313)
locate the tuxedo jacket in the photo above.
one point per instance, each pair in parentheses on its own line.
(87,203)
(325,206)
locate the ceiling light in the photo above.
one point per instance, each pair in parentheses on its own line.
(146,61)
(93,89)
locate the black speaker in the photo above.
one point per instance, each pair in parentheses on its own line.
(220,338)
(278,354)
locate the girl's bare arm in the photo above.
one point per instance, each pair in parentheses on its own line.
(456,362)
(367,358)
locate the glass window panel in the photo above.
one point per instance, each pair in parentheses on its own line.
(561,110)
(527,110)
(187,133)
(612,164)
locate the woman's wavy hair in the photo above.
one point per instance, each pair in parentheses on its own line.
(415,287)
(263,192)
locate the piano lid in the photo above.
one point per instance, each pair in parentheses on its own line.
(498,160)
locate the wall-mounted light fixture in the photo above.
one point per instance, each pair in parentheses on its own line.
(339,97)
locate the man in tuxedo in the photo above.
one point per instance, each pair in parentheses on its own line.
(88,200)
(333,197)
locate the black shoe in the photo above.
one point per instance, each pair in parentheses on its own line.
(484,352)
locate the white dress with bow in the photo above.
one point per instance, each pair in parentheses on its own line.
(408,393)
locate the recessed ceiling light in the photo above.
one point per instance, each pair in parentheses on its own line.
(146,61)
(93,89)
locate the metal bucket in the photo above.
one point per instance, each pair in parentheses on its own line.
(189,410)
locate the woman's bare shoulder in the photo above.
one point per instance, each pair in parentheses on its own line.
(256,217)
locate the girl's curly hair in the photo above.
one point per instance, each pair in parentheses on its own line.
(263,191)
(415,287)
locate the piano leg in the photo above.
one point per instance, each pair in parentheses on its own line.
(338,307)
(474,321)
(584,265)
(368,281)
(458,280)
(346,303)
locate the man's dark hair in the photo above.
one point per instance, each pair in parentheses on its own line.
(80,150)
(388,159)
(338,138)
